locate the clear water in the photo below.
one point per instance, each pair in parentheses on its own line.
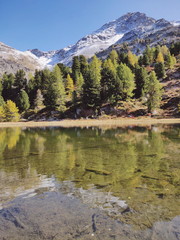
(132,174)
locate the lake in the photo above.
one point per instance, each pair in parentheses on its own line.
(90,183)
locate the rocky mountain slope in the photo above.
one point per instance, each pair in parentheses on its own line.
(135,29)
(12,60)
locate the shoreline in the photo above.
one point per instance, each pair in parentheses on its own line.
(117,122)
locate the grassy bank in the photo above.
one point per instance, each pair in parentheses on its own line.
(93,122)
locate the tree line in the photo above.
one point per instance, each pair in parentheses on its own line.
(120,77)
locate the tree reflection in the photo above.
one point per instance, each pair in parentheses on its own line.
(142,163)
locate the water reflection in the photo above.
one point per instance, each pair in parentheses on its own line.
(136,165)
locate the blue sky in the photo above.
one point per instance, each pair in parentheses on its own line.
(54,24)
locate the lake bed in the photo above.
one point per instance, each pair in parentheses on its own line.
(90,183)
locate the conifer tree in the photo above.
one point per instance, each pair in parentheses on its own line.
(91,90)
(125,82)
(160,58)
(148,56)
(157,51)
(1,98)
(175,48)
(7,86)
(38,102)
(37,80)
(65,70)
(114,57)
(1,101)
(2,113)
(11,111)
(132,59)
(108,81)
(75,68)
(153,92)
(23,101)
(164,50)
(20,79)
(170,61)
(140,61)
(141,76)
(45,80)
(8,81)
(55,95)
(69,86)
(160,70)
(1,86)
(123,57)
(83,64)
(79,84)
(146,60)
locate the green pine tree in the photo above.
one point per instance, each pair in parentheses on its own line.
(108,81)
(23,101)
(141,76)
(160,70)
(7,86)
(83,65)
(75,68)
(20,79)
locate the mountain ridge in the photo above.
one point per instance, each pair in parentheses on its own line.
(135,29)
(113,32)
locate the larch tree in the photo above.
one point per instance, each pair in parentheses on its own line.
(153,92)
(125,82)
(55,95)
(170,61)
(132,59)
(79,84)
(114,57)
(160,58)
(92,84)
(39,100)
(69,86)
(11,111)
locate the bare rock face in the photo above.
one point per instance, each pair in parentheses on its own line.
(12,60)
(135,29)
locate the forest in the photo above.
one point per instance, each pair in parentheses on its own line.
(121,77)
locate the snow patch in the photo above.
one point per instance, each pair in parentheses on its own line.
(175,23)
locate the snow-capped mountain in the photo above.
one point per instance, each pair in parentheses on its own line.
(128,28)
(136,29)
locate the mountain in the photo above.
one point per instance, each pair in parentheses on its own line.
(12,60)
(135,29)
